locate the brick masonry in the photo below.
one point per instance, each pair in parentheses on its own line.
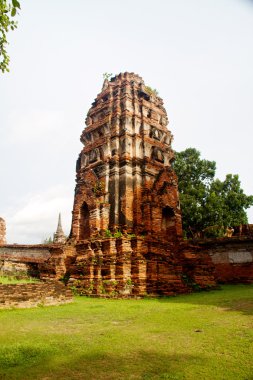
(131,267)
(232,258)
(34,294)
(138,266)
(124,177)
(125,182)
(23,260)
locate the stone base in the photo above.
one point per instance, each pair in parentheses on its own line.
(130,267)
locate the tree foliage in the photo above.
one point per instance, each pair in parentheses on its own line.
(8,11)
(206,201)
(107,76)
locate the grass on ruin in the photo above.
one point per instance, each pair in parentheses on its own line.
(205,336)
(15,280)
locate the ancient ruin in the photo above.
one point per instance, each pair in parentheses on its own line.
(124,177)
(126,234)
(2,232)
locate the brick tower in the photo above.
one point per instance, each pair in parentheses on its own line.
(124,177)
(126,227)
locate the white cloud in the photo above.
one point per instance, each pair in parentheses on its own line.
(35,218)
(29,126)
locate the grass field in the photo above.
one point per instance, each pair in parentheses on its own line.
(14,280)
(205,336)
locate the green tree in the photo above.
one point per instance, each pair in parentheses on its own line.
(8,11)
(227,203)
(194,178)
(206,201)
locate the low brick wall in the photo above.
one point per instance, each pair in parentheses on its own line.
(32,260)
(232,258)
(31,295)
(35,253)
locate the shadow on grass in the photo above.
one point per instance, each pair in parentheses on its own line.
(27,362)
(12,356)
(229,297)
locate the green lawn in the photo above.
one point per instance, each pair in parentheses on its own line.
(203,336)
(14,280)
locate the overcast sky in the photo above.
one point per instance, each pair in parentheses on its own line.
(197,53)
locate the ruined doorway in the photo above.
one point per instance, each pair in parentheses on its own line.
(84,226)
(168,220)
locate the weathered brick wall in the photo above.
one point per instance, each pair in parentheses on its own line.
(126,267)
(139,266)
(31,295)
(27,260)
(25,253)
(232,258)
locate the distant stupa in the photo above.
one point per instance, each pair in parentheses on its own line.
(59,236)
(2,232)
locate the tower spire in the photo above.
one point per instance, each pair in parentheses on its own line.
(59,226)
(59,236)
